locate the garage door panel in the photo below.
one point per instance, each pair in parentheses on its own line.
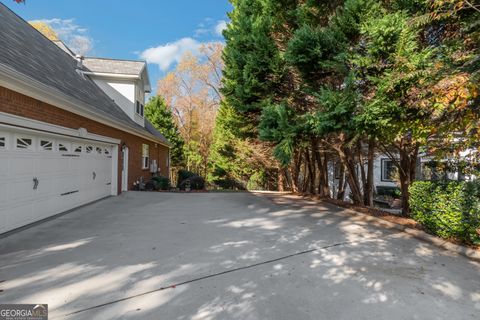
(20,190)
(67,176)
(48,164)
(21,165)
(46,186)
(4,164)
(20,215)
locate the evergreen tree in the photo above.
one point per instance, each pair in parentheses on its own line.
(158,113)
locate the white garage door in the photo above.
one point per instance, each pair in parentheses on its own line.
(43,175)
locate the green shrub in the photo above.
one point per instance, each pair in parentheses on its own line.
(183,175)
(196,183)
(388,191)
(447,209)
(161,183)
(229,184)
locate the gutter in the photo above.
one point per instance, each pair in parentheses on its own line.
(19,82)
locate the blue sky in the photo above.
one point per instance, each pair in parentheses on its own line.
(159,31)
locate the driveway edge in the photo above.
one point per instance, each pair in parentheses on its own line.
(418,234)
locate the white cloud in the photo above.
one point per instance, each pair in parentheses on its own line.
(170,53)
(221,25)
(210,28)
(75,36)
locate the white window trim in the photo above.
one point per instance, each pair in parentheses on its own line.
(145,158)
(382,168)
(20,136)
(5,141)
(75,147)
(42,149)
(67,145)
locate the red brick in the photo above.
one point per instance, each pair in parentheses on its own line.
(18,104)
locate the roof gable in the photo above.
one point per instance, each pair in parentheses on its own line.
(31,54)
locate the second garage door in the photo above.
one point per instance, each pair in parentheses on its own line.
(43,175)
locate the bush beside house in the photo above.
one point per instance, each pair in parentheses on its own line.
(190,179)
(448,209)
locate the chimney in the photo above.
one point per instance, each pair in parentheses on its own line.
(79,61)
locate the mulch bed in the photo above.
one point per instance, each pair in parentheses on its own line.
(375,212)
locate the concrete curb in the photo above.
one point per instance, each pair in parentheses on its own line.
(418,234)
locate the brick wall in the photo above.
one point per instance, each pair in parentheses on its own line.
(15,103)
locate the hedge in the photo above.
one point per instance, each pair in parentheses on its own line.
(448,209)
(161,183)
(186,177)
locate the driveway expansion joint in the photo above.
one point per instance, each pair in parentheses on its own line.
(173,286)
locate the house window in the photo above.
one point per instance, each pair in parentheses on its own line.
(46,145)
(388,170)
(2,142)
(137,107)
(24,143)
(145,156)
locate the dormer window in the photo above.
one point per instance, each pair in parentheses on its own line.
(139,108)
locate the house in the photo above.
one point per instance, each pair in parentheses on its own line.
(385,177)
(72,129)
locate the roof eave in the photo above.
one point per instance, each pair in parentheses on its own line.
(19,82)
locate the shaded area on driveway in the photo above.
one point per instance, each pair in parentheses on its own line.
(140,242)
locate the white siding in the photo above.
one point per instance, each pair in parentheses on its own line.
(139,96)
(122,92)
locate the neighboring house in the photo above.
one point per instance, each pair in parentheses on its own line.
(72,130)
(385,177)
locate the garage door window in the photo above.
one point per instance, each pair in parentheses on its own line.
(106,152)
(145,156)
(3,142)
(98,150)
(24,143)
(89,149)
(62,146)
(46,145)
(77,148)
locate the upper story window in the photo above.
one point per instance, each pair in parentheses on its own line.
(139,108)
(145,156)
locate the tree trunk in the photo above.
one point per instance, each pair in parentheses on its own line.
(341,184)
(322,164)
(295,171)
(368,189)
(281,179)
(346,158)
(408,166)
(311,173)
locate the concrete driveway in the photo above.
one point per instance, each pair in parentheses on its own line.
(231,256)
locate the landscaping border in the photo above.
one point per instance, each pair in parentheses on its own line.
(403,224)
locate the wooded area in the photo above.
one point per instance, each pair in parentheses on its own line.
(304,83)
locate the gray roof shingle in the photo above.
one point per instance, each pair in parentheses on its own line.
(155,132)
(28,52)
(114,66)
